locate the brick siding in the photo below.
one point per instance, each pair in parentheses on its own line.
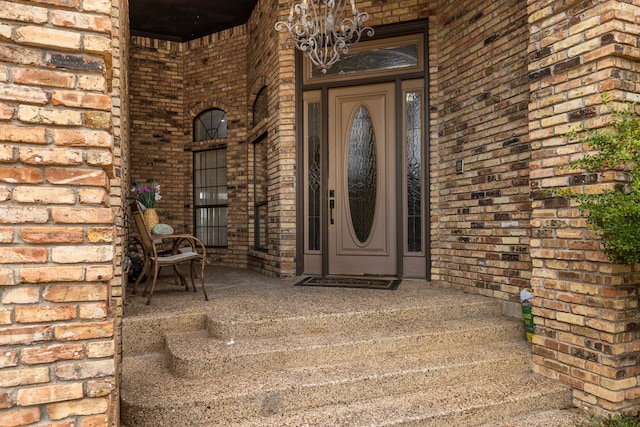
(63,133)
(506,81)
(586,308)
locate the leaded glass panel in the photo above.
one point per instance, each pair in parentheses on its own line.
(386,58)
(362,174)
(413,106)
(313,147)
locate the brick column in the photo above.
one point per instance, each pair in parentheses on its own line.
(59,98)
(586,308)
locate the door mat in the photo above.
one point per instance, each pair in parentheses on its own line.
(351,282)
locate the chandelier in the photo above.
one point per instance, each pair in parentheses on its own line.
(323,29)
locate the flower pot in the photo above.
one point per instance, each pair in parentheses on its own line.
(151,218)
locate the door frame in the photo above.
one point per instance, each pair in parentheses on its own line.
(387,31)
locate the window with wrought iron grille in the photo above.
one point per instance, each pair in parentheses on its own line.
(210,196)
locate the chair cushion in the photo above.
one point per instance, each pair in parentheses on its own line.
(162,229)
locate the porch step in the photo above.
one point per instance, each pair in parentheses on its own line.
(350,321)
(460,405)
(195,354)
(564,417)
(446,361)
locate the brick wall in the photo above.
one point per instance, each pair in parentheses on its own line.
(215,76)
(586,308)
(59,268)
(507,80)
(157,148)
(480,231)
(274,68)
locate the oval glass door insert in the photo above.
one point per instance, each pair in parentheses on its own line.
(362,177)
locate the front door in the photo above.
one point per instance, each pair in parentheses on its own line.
(362,194)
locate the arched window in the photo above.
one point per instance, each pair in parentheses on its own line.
(260,106)
(210,124)
(210,180)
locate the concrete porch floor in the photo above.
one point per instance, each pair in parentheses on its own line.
(241,292)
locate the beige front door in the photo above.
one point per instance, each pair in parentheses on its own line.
(362,180)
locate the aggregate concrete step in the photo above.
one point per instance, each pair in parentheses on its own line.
(473,402)
(565,417)
(144,334)
(443,308)
(259,357)
(195,354)
(149,391)
(458,405)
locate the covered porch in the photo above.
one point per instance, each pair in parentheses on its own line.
(263,352)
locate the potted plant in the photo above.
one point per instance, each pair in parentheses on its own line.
(148,196)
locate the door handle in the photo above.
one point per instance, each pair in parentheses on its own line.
(332,205)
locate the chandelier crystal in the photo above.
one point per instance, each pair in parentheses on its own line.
(324,29)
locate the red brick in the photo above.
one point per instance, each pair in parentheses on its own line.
(22,255)
(98,311)
(43,77)
(6,153)
(6,316)
(42,314)
(8,358)
(98,273)
(51,353)
(20,175)
(81,100)
(81,138)
(82,293)
(49,115)
(25,334)
(19,215)
(60,234)
(50,274)
(24,94)
(82,215)
(80,407)
(49,394)
(82,254)
(43,195)
(24,13)
(48,37)
(100,235)
(94,421)
(30,134)
(6,234)
(50,156)
(83,331)
(81,21)
(24,376)
(6,277)
(20,55)
(19,417)
(93,196)
(76,177)
(5,401)
(85,370)
(6,112)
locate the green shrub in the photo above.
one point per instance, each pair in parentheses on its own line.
(614,213)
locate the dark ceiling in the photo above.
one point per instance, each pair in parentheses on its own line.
(183,20)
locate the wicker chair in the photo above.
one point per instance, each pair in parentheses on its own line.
(167,250)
